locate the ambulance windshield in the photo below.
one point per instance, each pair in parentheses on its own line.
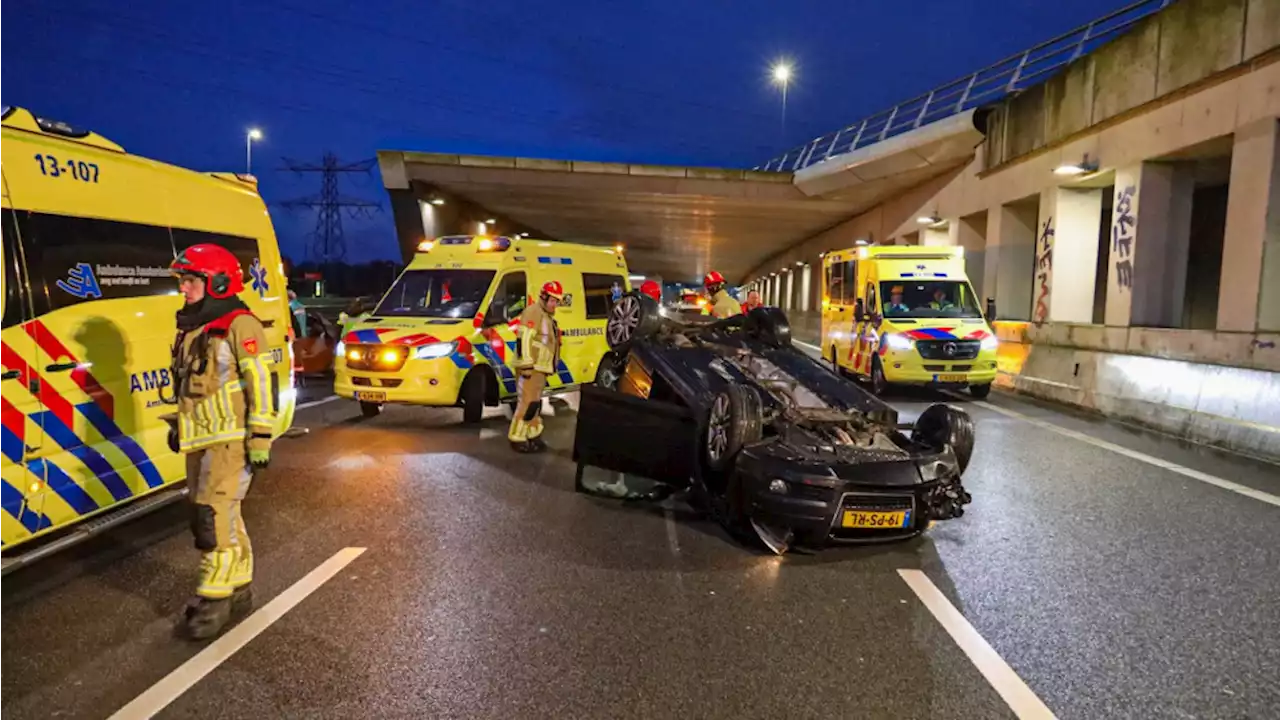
(932,299)
(437,294)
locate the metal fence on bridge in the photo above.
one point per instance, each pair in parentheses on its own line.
(985,86)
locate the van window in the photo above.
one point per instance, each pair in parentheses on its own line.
(84,259)
(839,285)
(12,285)
(601,291)
(510,298)
(937,299)
(436,294)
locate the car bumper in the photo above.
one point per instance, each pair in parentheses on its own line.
(911,371)
(814,505)
(419,382)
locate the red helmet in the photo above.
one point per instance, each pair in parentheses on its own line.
(712,279)
(553,289)
(220,269)
(652,289)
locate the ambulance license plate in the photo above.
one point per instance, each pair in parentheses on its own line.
(957,378)
(873,519)
(370,396)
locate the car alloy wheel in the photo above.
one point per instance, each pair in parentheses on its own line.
(623,320)
(718,429)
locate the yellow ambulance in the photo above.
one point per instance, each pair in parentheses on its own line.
(906,315)
(89,234)
(444,334)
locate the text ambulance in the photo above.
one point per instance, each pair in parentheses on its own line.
(906,315)
(89,234)
(443,333)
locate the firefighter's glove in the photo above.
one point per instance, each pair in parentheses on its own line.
(259,458)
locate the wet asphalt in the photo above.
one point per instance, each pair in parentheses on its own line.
(489,589)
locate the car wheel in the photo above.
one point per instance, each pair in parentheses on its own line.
(878,384)
(632,318)
(370,409)
(768,325)
(980,391)
(941,425)
(735,420)
(609,371)
(473,395)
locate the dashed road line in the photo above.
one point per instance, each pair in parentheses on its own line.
(314,403)
(1017,695)
(173,685)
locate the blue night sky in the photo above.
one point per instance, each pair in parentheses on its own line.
(675,81)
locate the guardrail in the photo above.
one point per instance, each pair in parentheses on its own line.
(987,85)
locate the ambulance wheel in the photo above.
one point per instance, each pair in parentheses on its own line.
(370,409)
(473,396)
(633,317)
(980,391)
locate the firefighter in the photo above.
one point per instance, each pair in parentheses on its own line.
(538,354)
(722,303)
(225,418)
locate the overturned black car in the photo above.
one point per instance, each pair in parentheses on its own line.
(768,441)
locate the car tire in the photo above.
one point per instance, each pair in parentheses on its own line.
(370,409)
(609,371)
(734,421)
(941,425)
(980,391)
(768,325)
(473,396)
(879,385)
(835,362)
(633,317)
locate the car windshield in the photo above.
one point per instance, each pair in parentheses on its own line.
(929,299)
(437,293)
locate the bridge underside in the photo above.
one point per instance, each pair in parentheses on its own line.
(676,222)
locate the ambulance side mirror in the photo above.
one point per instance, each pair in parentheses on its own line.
(497,314)
(991,309)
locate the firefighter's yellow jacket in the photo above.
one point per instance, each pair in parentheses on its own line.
(224,385)
(539,340)
(723,305)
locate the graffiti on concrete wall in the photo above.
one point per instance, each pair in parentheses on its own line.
(1123,230)
(1044,271)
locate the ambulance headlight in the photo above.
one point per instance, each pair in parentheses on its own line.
(434,350)
(990,342)
(899,342)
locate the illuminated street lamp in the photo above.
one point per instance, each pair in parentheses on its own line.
(249,138)
(781,73)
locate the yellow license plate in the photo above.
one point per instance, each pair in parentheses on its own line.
(958,378)
(874,519)
(368,396)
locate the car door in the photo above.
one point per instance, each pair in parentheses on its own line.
(636,431)
(498,346)
(23,473)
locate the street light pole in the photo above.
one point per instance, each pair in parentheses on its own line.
(249,137)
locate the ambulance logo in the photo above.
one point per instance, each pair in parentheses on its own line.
(80,282)
(258,278)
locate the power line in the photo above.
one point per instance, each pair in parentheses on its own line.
(328,243)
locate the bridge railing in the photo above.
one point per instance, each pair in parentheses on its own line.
(985,86)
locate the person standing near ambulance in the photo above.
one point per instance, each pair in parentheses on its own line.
(538,353)
(722,303)
(221,363)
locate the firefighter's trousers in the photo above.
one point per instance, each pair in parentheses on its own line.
(218,478)
(526,422)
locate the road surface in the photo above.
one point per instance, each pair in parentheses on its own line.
(1102,583)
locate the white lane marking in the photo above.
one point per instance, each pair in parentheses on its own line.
(1203,477)
(1020,698)
(314,403)
(173,685)
(673,540)
(814,348)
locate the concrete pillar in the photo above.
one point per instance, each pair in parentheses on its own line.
(1066,255)
(1150,239)
(970,233)
(1010,260)
(791,291)
(1249,294)
(806,288)
(937,236)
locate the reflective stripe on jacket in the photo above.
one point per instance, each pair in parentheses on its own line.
(539,340)
(224,392)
